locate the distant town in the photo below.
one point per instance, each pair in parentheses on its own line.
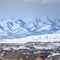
(30,51)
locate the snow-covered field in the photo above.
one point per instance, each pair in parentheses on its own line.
(38,38)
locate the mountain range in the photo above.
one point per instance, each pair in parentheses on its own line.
(11,29)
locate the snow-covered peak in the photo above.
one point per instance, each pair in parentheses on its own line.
(11,29)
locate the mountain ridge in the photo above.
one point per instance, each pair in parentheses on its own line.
(18,28)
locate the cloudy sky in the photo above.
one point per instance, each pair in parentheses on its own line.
(29,8)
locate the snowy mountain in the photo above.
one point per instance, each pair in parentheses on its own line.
(36,38)
(11,29)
